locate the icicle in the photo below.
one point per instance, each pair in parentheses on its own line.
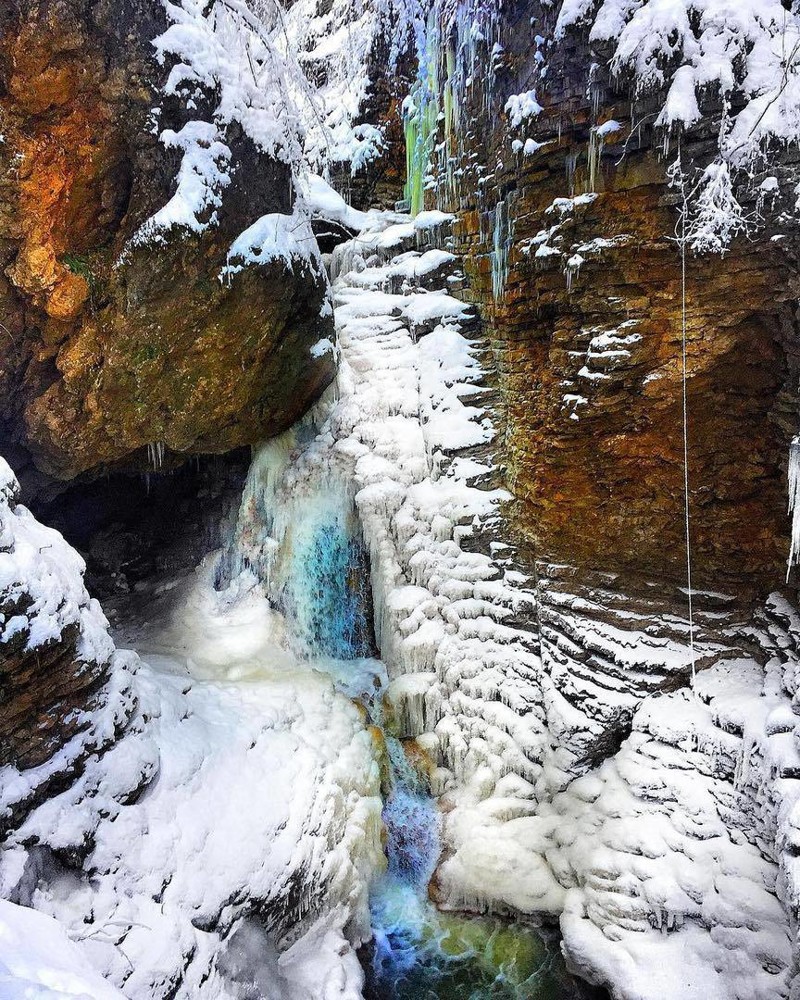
(155,455)
(595,151)
(570,163)
(794,502)
(501,245)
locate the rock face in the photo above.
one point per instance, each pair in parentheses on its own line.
(549,673)
(65,691)
(112,343)
(568,230)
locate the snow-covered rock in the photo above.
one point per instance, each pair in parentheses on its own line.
(67,693)
(224,838)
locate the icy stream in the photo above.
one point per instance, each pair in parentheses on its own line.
(420,953)
(288,605)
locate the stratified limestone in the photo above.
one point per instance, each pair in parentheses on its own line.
(66,693)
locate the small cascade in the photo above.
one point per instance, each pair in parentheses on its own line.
(411,819)
(326,591)
(420,952)
(299,537)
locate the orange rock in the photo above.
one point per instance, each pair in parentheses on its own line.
(148,345)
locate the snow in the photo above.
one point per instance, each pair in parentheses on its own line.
(711,217)
(608,128)
(520,107)
(687,47)
(37,960)
(324,203)
(532,147)
(667,848)
(223,796)
(175,873)
(431,219)
(43,599)
(252,63)
(322,347)
(286,238)
(203,173)
(43,576)
(335,44)
(211,49)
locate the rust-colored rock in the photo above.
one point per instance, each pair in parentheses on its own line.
(108,347)
(589,354)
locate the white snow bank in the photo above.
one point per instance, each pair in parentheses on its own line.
(265,800)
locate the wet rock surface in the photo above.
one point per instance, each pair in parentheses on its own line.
(567,226)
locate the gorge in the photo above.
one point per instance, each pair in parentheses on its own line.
(402,400)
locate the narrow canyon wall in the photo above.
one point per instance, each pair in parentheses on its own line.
(66,693)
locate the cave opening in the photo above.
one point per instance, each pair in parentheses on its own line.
(133,528)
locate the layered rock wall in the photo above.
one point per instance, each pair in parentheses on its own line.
(66,693)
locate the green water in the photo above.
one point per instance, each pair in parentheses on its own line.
(419,953)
